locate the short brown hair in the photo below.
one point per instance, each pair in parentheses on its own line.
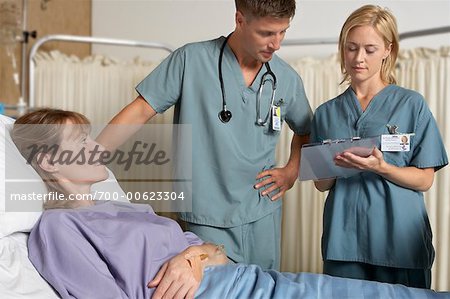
(48,133)
(267,8)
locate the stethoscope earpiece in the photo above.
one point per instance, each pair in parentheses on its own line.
(225,116)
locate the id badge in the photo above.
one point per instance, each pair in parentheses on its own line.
(276,118)
(395,142)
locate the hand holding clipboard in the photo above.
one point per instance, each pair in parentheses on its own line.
(317,160)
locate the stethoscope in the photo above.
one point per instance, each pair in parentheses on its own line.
(225,115)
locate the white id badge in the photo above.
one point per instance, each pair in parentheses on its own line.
(276,118)
(395,142)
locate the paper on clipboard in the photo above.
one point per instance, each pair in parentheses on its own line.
(317,160)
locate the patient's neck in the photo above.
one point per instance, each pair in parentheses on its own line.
(80,193)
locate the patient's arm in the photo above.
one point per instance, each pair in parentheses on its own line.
(181,276)
(132,117)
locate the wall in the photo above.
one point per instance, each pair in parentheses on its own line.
(45,17)
(61,17)
(177,22)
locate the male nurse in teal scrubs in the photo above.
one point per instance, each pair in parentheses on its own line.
(214,86)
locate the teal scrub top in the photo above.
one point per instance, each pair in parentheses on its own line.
(226,157)
(366,218)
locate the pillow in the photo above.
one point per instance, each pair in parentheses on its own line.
(19,178)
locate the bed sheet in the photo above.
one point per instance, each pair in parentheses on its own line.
(18,278)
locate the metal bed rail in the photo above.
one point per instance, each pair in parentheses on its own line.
(79,39)
(333,41)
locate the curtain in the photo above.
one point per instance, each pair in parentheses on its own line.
(96,86)
(303,204)
(424,70)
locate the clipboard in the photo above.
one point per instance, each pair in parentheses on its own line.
(317,159)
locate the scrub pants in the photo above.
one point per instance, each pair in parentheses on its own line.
(416,278)
(257,242)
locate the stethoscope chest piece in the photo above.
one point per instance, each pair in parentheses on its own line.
(225,115)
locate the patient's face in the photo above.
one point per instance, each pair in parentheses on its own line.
(78,156)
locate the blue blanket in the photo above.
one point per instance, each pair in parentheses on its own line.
(249,281)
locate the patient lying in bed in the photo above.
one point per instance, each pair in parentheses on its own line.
(106,249)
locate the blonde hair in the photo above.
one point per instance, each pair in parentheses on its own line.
(385,24)
(44,138)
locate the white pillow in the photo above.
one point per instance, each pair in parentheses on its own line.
(20,216)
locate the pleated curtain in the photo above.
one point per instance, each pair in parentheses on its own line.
(96,86)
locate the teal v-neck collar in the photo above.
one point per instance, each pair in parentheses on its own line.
(374,104)
(237,72)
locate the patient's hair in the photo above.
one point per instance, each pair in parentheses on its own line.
(47,133)
(266,8)
(385,24)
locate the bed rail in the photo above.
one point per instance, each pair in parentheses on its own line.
(79,39)
(333,41)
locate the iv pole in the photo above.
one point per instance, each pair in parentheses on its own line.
(22,105)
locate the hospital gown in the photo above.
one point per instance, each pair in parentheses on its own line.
(110,250)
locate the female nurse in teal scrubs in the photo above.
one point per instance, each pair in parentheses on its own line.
(375,222)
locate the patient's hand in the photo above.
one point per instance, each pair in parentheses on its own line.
(175,279)
(181,276)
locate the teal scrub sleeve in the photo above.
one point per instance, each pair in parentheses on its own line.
(429,150)
(162,87)
(299,113)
